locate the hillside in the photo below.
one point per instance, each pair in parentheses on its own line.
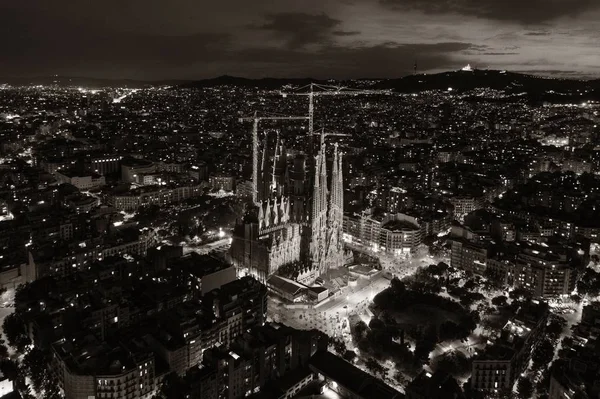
(537,88)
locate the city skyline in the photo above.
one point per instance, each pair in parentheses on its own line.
(390,199)
(330,39)
(444,241)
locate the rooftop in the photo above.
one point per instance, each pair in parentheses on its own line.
(285,284)
(136,162)
(400,225)
(79,173)
(362,269)
(434,386)
(86,355)
(202,265)
(496,352)
(350,377)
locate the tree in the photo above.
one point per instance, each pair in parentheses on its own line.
(349,356)
(520,294)
(525,388)
(454,363)
(3,350)
(499,300)
(171,387)
(470,285)
(23,388)
(449,330)
(589,283)
(468,298)
(15,332)
(542,354)
(36,364)
(50,387)
(339,346)
(374,366)
(556,327)
(443,266)
(360,329)
(543,384)
(426,343)
(422,350)
(380,341)
(9,368)
(398,287)
(438,270)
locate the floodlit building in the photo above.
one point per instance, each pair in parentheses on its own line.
(222,182)
(393,233)
(131,200)
(131,168)
(270,237)
(80,179)
(103,164)
(464,205)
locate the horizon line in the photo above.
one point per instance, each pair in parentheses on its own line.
(540,75)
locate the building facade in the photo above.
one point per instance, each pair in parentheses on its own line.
(275,233)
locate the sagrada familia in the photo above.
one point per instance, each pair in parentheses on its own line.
(296,223)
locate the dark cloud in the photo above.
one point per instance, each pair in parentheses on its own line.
(520,11)
(550,72)
(70,48)
(187,39)
(345,33)
(499,53)
(537,33)
(35,47)
(387,60)
(301,29)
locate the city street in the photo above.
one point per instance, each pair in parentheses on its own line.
(399,266)
(330,316)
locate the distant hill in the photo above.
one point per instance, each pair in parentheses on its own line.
(264,83)
(537,88)
(499,80)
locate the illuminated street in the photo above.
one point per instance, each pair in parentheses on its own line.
(329,317)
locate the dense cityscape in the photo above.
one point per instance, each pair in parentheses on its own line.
(436,236)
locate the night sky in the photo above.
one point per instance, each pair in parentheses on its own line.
(189,39)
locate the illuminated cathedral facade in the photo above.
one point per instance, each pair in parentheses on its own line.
(297,220)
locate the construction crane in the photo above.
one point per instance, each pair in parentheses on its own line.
(325,91)
(256,119)
(324,134)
